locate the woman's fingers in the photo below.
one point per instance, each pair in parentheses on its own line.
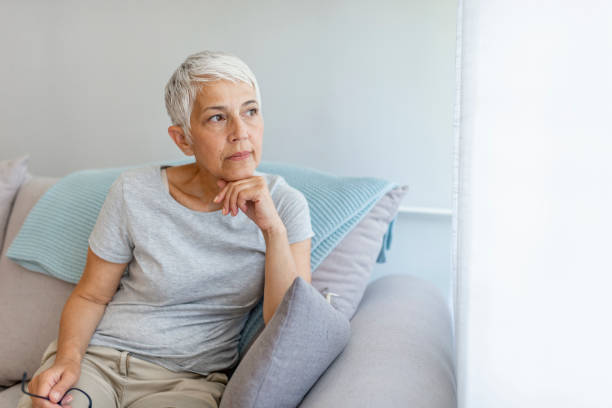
(228,197)
(224,186)
(41,385)
(66,401)
(233,189)
(234,200)
(53,384)
(43,403)
(60,388)
(242,204)
(234,195)
(225,194)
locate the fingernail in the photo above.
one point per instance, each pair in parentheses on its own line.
(55,396)
(216,198)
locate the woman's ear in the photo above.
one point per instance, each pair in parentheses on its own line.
(177,134)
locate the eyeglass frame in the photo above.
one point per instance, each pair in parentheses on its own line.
(23,382)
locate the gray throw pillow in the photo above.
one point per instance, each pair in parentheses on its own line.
(293,350)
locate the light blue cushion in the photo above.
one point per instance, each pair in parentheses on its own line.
(53,238)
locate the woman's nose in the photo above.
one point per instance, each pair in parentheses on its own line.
(240,130)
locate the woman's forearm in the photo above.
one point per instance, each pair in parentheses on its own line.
(280,270)
(79,320)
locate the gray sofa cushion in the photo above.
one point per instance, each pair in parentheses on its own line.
(400,353)
(296,346)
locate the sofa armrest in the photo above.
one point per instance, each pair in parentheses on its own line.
(400,353)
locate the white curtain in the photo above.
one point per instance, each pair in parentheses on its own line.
(533,204)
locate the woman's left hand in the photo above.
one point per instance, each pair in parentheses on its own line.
(250,195)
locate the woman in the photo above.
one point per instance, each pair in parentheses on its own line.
(201,242)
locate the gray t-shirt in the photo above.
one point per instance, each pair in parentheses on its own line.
(192,277)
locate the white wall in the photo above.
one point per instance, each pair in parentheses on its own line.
(535,216)
(356,88)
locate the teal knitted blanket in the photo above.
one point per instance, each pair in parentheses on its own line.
(53,238)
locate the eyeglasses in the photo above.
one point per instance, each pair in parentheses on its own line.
(23,383)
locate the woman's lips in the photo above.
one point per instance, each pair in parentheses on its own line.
(240,156)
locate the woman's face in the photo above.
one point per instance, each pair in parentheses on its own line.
(226,120)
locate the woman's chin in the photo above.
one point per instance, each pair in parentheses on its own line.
(239,174)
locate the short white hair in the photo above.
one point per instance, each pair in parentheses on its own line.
(184,84)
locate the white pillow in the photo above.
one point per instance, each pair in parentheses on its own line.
(13,173)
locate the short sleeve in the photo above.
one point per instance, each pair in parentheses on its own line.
(294,211)
(110,238)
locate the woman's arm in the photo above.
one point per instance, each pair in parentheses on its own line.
(86,305)
(284,262)
(80,317)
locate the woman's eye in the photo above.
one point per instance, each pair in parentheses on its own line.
(252,112)
(215,118)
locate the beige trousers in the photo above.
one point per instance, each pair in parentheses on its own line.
(114,378)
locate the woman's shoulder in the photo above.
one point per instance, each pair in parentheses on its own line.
(140,173)
(137,181)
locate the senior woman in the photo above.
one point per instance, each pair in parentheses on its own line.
(179,256)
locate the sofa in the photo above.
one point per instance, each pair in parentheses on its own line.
(400,352)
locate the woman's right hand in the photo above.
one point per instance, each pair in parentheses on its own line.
(53,383)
